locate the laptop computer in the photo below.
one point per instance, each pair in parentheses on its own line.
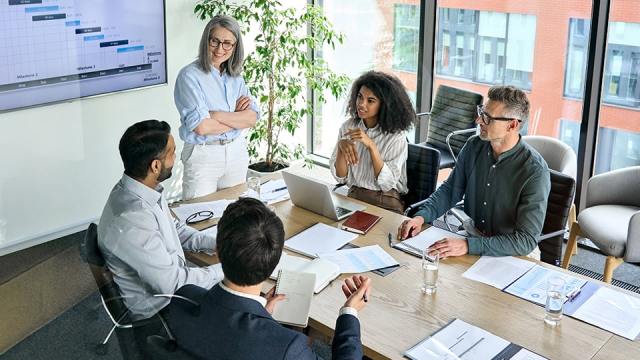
(317,197)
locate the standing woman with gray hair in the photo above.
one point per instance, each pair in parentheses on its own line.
(215,106)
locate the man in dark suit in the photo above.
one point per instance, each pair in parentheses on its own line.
(232,320)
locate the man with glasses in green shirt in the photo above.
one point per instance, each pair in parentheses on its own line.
(504,182)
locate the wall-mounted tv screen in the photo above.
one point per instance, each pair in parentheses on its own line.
(58,50)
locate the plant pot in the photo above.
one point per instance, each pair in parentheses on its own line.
(260,169)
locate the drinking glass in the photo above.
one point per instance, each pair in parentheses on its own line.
(555,300)
(430,262)
(253,187)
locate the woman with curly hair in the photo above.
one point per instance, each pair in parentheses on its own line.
(371,153)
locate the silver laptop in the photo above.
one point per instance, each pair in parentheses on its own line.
(317,197)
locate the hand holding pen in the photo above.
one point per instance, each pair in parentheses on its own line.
(357,290)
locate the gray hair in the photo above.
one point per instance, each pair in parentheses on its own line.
(233,66)
(515,101)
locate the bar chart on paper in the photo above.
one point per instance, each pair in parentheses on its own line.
(62,49)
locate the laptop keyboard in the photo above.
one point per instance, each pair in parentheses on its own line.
(340,211)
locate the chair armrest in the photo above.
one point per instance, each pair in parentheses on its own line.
(454,133)
(412,209)
(632,252)
(617,187)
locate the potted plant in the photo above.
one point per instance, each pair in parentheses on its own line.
(281,71)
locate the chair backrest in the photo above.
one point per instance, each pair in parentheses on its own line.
(422,172)
(109,290)
(558,155)
(453,109)
(559,202)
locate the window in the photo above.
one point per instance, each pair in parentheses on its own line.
(455,53)
(406,37)
(622,67)
(504,52)
(380,35)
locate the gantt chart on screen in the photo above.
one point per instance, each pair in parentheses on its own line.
(53,50)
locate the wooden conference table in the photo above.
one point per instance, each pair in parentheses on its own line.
(399,316)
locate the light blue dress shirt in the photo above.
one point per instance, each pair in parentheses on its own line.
(143,248)
(197,92)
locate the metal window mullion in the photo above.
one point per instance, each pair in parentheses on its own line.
(592,97)
(426,56)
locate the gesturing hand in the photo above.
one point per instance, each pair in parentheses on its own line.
(348,150)
(361,136)
(273,299)
(243,103)
(357,290)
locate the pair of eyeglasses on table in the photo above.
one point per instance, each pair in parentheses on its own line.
(199,217)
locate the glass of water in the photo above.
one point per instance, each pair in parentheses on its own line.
(253,187)
(430,262)
(555,300)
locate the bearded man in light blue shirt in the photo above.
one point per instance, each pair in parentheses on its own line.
(140,241)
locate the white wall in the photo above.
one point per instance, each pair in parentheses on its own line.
(59,162)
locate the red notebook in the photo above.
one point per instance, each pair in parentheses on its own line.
(360,222)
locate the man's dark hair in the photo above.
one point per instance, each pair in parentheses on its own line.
(142,143)
(249,242)
(396,111)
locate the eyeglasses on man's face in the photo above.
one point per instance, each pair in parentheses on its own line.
(226,45)
(486,118)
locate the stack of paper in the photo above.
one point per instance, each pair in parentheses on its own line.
(185,210)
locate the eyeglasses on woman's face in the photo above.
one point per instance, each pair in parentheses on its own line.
(226,45)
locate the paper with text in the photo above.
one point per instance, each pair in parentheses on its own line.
(613,311)
(319,239)
(498,272)
(360,260)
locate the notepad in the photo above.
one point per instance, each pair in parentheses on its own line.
(298,289)
(318,239)
(324,270)
(360,222)
(415,245)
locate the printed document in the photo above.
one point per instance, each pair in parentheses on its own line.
(613,311)
(498,272)
(532,286)
(459,340)
(360,260)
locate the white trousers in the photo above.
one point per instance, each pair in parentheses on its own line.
(208,168)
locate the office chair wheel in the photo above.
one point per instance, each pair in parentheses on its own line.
(101,349)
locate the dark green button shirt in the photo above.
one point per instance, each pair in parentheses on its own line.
(506,197)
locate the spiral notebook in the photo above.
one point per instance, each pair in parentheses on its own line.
(298,288)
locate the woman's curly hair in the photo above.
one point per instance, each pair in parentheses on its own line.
(396,110)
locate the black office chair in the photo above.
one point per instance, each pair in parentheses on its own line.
(111,300)
(559,204)
(110,297)
(451,122)
(422,174)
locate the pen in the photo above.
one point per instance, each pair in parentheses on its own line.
(278,189)
(364,297)
(573,294)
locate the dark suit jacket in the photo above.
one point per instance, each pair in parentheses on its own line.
(227,326)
